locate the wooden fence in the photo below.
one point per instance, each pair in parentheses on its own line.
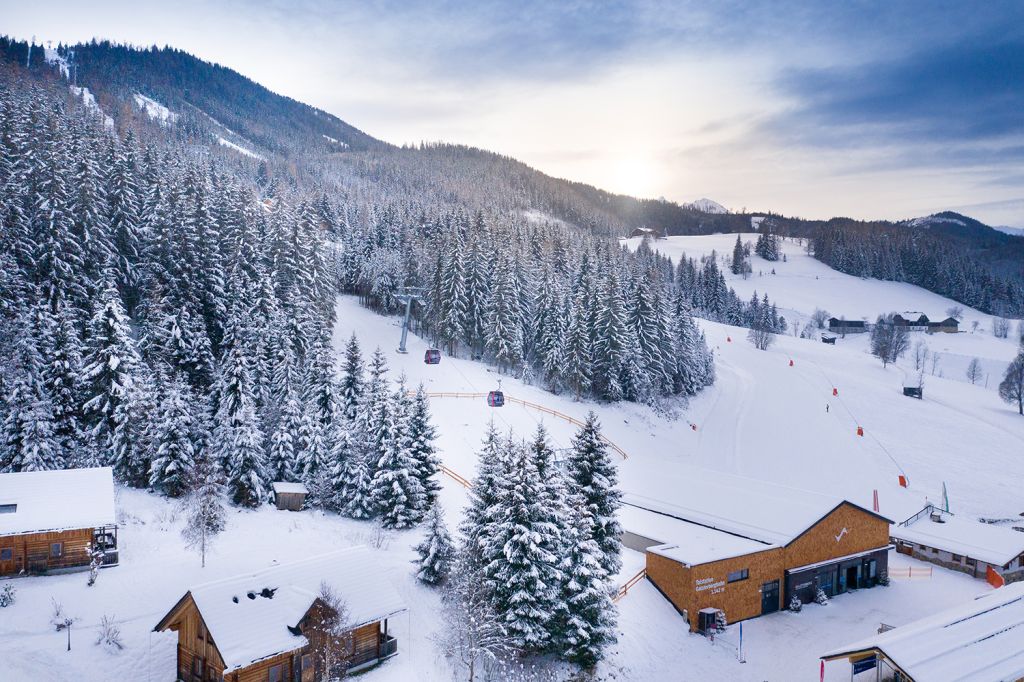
(624,590)
(461,480)
(532,406)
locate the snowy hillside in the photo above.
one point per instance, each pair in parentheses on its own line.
(705,205)
(801,284)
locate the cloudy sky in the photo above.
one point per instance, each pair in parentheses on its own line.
(865,109)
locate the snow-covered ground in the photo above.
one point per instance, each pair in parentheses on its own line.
(238,148)
(801,284)
(156,111)
(763,418)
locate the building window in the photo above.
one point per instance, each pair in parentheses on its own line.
(274,673)
(971,562)
(935,550)
(736,576)
(197,668)
(8,508)
(923,548)
(307,661)
(6,554)
(956,558)
(201,632)
(56,550)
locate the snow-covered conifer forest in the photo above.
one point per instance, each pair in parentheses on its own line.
(205,295)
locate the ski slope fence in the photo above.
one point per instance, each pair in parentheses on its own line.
(624,590)
(532,406)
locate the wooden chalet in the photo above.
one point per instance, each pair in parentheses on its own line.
(260,626)
(53,520)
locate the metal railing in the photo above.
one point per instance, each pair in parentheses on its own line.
(911,572)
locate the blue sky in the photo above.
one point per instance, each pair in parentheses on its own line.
(865,109)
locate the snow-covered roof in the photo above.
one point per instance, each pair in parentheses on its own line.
(980,640)
(251,629)
(56,500)
(685,542)
(282,487)
(767,512)
(986,542)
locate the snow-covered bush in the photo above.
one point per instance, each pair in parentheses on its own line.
(821,597)
(795,604)
(109,636)
(7,595)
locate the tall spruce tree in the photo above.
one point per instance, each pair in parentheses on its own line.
(593,478)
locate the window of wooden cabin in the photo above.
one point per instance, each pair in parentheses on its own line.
(274,673)
(56,550)
(956,558)
(6,554)
(971,562)
(198,664)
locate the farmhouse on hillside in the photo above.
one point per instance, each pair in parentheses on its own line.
(52,521)
(950,325)
(838,326)
(920,324)
(980,640)
(646,232)
(262,625)
(746,548)
(982,550)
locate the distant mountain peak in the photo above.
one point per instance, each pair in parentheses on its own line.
(705,205)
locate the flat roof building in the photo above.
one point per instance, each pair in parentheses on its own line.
(980,640)
(979,549)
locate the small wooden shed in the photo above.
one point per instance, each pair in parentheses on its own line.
(290,496)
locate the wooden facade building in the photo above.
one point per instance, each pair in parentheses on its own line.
(776,545)
(54,520)
(289,496)
(261,627)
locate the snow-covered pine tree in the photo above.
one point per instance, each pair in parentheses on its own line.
(110,373)
(282,459)
(610,341)
(504,333)
(62,375)
(238,436)
(436,551)
(520,569)
(398,493)
(577,352)
(584,618)
(174,439)
(29,440)
(351,390)
(740,264)
(421,446)
(592,476)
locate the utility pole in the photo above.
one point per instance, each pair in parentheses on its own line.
(407,295)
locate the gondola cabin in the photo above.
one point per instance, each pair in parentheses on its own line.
(432,357)
(496,399)
(56,521)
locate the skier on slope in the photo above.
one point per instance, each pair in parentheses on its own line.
(826,408)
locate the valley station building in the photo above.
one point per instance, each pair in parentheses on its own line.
(745,547)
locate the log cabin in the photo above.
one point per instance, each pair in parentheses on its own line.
(732,548)
(261,627)
(53,521)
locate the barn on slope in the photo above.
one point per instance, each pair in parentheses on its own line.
(261,626)
(52,521)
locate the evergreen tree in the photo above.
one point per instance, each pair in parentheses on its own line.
(593,478)
(174,439)
(238,437)
(351,389)
(398,493)
(436,551)
(111,370)
(520,569)
(421,447)
(29,439)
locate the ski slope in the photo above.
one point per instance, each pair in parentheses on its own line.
(763,418)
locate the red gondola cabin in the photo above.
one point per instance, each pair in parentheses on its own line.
(432,357)
(495,399)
